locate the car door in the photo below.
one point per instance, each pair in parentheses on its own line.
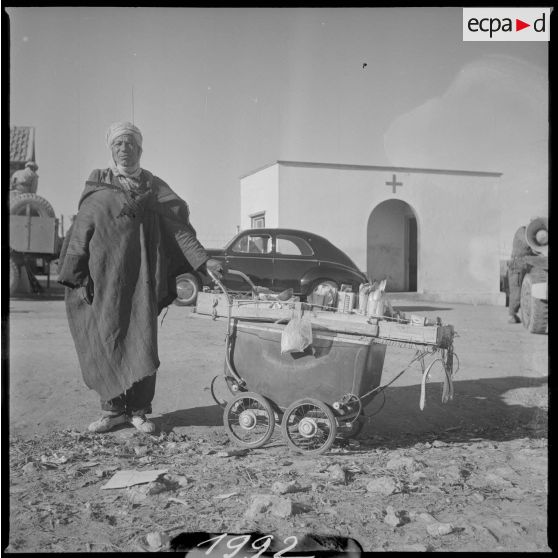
(293,257)
(252,254)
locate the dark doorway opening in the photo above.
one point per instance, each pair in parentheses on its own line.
(411,226)
(392,246)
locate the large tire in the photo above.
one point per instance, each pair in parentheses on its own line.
(38,207)
(534,312)
(14,277)
(187,289)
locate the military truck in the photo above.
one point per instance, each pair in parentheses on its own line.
(34,239)
(534,288)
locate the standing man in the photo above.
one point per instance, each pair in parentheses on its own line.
(130,239)
(517,267)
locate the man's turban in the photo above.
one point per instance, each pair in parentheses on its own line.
(118,129)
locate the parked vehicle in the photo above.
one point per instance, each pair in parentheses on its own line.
(34,240)
(278,259)
(534,289)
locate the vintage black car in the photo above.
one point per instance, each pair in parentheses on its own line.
(278,259)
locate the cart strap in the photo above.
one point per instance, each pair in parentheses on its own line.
(425,374)
(405,344)
(447,392)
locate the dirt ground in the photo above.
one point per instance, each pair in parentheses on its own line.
(467,475)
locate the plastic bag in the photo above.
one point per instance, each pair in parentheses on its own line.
(376,304)
(297,334)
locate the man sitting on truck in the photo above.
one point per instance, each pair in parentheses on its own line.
(517,267)
(25,180)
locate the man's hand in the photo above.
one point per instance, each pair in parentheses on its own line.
(215,267)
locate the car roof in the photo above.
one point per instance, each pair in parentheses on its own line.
(272,230)
(319,242)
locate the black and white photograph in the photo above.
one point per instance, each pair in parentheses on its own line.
(278,280)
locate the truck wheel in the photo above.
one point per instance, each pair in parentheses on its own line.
(38,207)
(534,312)
(14,276)
(187,289)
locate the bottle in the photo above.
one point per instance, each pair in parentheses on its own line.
(363,292)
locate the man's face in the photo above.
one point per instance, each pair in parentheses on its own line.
(125,151)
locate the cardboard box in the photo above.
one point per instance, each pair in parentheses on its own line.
(345,302)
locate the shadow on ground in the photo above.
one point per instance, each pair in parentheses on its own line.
(211,415)
(416,308)
(50,294)
(498,409)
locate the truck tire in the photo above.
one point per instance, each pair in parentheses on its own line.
(14,277)
(38,207)
(534,312)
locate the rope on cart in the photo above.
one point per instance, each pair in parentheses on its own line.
(458,364)
(368,417)
(221,404)
(417,357)
(402,344)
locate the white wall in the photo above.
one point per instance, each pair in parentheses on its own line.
(458,221)
(328,202)
(259,192)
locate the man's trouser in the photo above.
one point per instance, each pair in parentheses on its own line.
(134,401)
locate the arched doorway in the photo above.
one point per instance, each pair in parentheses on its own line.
(392,246)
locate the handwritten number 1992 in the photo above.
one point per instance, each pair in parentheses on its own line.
(236,543)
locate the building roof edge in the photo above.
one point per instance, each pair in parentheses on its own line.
(376,168)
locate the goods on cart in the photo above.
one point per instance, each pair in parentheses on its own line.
(316,393)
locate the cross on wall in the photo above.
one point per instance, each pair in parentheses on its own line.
(394,184)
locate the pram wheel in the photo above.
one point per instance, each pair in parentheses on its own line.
(249,420)
(309,426)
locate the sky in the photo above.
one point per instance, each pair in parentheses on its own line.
(219,92)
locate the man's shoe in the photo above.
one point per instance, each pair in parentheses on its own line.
(108,422)
(514,320)
(142,424)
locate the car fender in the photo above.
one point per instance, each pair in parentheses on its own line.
(339,274)
(203,279)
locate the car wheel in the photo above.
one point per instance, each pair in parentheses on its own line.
(187,289)
(326,288)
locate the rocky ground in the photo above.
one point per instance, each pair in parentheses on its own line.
(470,475)
(390,495)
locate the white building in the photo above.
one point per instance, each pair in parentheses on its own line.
(431,231)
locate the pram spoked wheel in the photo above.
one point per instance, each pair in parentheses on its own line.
(309,426)
(249,420)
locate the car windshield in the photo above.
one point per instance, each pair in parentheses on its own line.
(253,244)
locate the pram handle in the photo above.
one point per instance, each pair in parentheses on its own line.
(228,336)
(233,272)
(221,286)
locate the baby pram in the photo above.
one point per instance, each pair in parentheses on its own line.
(316,395)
